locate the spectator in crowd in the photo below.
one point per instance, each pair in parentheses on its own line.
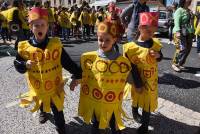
(183,33)
(171,21)
(130,17)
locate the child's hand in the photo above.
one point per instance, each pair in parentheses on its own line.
(139,90)
(73,84)
(61,87)
(30,64)
(178,35)
(154,54)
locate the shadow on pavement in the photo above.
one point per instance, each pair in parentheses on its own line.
(164,125)
(6,50)
(167,58)
(78,127)
(170,79)
(160,123)
(65,45)
(191,70)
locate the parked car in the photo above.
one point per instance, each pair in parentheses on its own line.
(163,26)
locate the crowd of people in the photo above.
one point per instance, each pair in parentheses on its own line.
(105,75)
(75,22)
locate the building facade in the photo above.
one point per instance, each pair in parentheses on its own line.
(67,3)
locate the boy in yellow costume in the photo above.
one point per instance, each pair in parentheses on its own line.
(41,59)
(145,53)
(105,73)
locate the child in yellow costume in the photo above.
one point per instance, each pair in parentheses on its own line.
(63,20)
(105,73)
(41,59)
(92,20)
(4,26)
(84,18)
(145,53)
(75,23)
(101,15)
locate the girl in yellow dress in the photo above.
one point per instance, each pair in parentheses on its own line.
(145,53)
(105,73)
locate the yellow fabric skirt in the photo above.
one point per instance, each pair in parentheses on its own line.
(57,99)
(103,112)
(147,100)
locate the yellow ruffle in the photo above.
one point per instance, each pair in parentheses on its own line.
(56,99)
(102,111)
(147,101)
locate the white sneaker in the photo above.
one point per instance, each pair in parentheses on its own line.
(176,68)
(197,75)
(181,67)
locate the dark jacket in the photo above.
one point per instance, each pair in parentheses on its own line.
(130,15)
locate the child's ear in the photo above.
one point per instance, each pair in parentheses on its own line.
(115,39)
(30,26)
(139,27)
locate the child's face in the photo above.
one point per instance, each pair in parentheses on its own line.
(147,32)
(105,41)
(39,28)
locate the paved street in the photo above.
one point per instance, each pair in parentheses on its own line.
(179,98)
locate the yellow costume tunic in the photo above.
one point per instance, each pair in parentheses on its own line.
(84,18)
(102,88)
(147,67)
(93,19)
(74,19)
(101,15)
(63,20)
(45,78)
(3,18)
(51,17)
(25,24)
(197,23)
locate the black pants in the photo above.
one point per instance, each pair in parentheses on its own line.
(145,117)
(5,34)
(92,30)
(86,30)
(58,117)
(95,124)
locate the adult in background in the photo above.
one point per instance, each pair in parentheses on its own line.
(130,17)
(171,21)
(183,32)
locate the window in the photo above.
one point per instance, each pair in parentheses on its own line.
(162,15)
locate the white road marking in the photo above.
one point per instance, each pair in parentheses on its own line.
(11,104)
(177,112)
(197,75)
(34,114)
